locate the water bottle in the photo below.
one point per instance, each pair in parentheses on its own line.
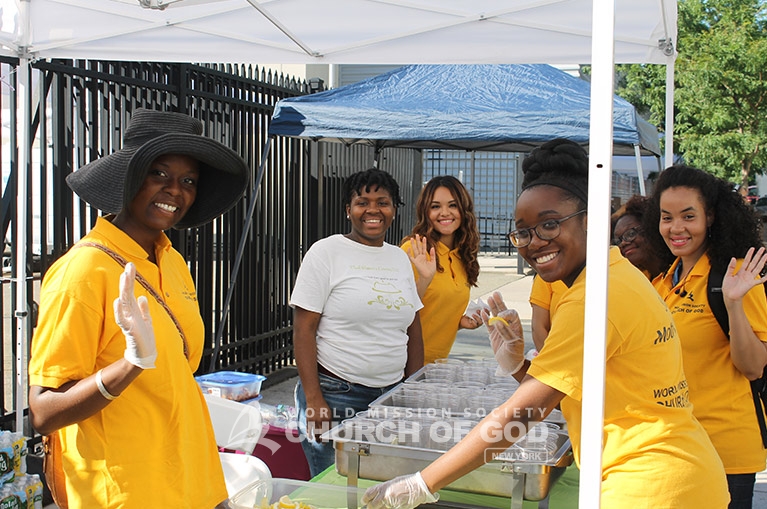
(7,472)
(19,452)
(19,489)
(34,492)
(8,499)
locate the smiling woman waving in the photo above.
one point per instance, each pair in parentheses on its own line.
(443,249)
(706,225)
(112,362)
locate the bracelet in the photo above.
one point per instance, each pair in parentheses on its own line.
(103,390)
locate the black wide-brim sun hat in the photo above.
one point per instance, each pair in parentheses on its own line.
(111,182)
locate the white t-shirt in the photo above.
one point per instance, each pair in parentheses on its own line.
(367,298)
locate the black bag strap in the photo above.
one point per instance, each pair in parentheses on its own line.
(758,386)
(147,286)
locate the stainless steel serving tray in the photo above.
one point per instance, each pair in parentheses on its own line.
(529,477)
(524,471)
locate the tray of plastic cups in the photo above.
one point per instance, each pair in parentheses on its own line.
(384,448)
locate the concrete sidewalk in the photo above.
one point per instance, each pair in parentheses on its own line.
(497,273)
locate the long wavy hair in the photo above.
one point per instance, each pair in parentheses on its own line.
(466,237)
(735,228)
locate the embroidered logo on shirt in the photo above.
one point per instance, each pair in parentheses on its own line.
(189,295)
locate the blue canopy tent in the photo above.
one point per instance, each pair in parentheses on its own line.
(472,107)
(486,107)
(511,108)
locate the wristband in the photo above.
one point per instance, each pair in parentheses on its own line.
(103,390)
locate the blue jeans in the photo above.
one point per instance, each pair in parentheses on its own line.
(741,488)
(345,399)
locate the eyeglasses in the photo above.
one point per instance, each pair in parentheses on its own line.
(628,236)
(546,230)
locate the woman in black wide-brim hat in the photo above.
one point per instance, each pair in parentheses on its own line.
(112,362)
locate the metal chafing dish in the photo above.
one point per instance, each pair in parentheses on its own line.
(391,440)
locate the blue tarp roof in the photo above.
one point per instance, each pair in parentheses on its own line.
(472,107)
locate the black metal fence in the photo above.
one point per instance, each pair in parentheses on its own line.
(80,110)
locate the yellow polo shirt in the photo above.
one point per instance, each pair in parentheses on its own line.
(655,453)
(444,303)
(154,445)
(546,295)
(720,394)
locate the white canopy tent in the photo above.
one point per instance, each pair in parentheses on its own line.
(599,32)
(335,31)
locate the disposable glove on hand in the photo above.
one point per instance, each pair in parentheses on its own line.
(506,336)
(403,492)
(133,318)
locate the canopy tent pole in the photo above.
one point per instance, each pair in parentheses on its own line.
(640,173)
(666,45)
(238,256)
(597,252)
(472,180)
(21,313)
(669,147)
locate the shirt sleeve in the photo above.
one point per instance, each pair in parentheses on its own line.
(560,364)
(73,330)
(540,293)
(313,281)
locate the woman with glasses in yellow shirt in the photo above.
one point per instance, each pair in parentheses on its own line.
(655,453)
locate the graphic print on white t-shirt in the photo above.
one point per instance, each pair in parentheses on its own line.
(389,296)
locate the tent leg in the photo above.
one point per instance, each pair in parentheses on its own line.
(22,313)
(669,148)
(640,173)
(238,257)
(597,250)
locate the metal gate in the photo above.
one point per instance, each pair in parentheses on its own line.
(80,110)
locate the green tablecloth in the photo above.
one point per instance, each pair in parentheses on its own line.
(563,495)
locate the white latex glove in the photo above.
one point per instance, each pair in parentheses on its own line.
(403,492)
(133,318)
(506,336)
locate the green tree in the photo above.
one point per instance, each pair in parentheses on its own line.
(721,87)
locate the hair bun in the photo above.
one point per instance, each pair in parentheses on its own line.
(556,156)
(559,162)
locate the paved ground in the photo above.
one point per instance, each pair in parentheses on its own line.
(498,273)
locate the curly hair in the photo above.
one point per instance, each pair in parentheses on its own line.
(735,227)
(367,179)
(466,237)
(636,206)
(561,163)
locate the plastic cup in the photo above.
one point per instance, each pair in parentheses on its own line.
(440,434)
(397,397)
(446,371)
(400,432)
(363,430)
